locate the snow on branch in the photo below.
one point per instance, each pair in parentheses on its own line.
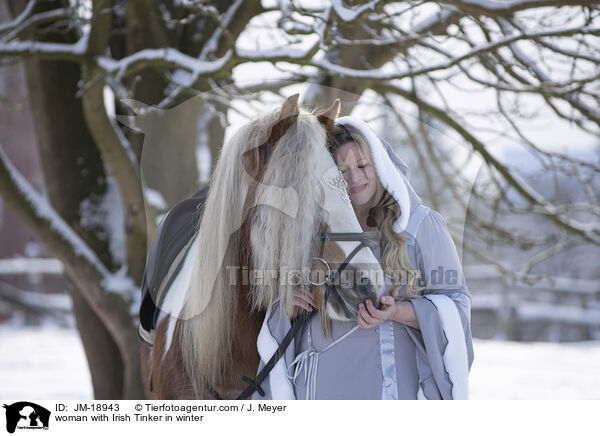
(507,8)
(21,18)
(283,54)
(47,50)
(52,230)
(42,211)
(221,30)
(27,265)
(162,57)
(349,15)
(589,231)
(380,75)
(591,113)
(43,17)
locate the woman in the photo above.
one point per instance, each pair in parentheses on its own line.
(415,346)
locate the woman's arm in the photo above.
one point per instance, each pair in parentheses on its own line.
(405,314)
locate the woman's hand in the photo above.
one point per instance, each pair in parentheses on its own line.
(401,311)
(302,301)
(373,317)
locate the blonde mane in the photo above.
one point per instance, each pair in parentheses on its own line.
(277,240)
(280,243)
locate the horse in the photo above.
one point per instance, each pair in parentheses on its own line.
(274,192)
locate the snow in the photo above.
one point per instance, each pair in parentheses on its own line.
(43,210)
(166,56)
(69,51)
(212,43)
(20,19)
(24,265)
(42,301)
(539,371)
(112,205)
(49,363)
(155,198)
(122,284)
(285,53)
(44,363)
(103,215)
(118,282)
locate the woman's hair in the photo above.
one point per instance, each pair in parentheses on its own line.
(383,215)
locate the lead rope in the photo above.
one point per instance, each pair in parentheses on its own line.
(309,361)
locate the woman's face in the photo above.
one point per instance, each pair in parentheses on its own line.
(358,172)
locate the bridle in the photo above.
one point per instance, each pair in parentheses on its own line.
(365,239)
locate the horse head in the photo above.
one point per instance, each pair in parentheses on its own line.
(294,171)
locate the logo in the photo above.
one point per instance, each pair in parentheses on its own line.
(26,415)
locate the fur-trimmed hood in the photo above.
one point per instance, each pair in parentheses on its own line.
(393,173)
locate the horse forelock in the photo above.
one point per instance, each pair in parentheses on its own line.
(282,235)
(213,308)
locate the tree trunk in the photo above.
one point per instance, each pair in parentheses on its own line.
(104,359)
(73,172)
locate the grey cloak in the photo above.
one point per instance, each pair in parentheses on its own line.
(393,360)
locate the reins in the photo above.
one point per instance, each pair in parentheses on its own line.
(365,238)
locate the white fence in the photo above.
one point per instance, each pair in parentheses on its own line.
(536,308)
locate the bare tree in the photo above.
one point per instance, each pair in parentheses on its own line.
(530,58)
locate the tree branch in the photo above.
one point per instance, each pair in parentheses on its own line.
(495,8)
(109,295)
(115,147)
(589,231)
(47,50)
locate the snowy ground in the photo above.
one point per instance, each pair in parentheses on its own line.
(44,363)
(535,371)
(49,364)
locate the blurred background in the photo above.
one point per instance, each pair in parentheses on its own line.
(112,111)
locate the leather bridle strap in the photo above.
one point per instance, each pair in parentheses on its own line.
(254,385)
(331,285)
(267,153)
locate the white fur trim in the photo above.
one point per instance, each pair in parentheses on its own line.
(281,387)
(391,177)
(455,355)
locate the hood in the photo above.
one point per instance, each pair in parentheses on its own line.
(392,172)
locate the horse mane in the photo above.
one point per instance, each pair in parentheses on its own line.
(283,243)
(212,303)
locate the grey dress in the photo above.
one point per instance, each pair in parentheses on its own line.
(393,360)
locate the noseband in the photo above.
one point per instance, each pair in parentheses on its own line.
(366,239)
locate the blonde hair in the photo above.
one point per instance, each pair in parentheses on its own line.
(383,216)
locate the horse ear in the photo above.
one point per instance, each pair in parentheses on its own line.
(290,108)
(288,116)
(255,160)
(329,115)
